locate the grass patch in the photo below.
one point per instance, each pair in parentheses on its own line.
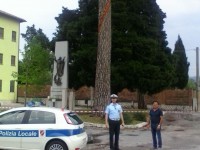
(90,118)
(134,118)
(129,118)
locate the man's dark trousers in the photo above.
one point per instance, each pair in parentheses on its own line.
(156,132)
(114,129)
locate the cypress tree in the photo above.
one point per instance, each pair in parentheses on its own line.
(181,65)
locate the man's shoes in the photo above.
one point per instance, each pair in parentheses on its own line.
(159,148)
(115,148)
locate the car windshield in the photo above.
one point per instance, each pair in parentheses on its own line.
(75,120)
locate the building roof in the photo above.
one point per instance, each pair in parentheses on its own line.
(3,13)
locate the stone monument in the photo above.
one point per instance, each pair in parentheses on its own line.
(59,88)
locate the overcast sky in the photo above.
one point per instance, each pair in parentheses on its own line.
(183,18)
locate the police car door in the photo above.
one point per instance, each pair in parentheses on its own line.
(34,130)
(10,127)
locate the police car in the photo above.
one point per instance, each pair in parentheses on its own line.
(41,128)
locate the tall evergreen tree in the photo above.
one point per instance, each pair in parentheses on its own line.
(33,33)
(181,65)
(140,57)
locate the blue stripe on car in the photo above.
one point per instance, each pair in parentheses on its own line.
(63,132)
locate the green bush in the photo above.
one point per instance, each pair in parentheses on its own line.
(128,118)
(140,116)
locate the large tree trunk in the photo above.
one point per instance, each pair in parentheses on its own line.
(102,81)
(141,102)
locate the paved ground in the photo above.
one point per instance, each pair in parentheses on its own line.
(180,132)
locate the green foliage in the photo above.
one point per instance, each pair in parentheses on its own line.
(129,118)
(181,65)
(91,118)
(140,58)
(36,64)
(191,84)
(34,68)
(32,33)
(140,116)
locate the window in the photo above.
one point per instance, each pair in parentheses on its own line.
(72,118)
(15,117)
(0,85)
(41,117)
(12,86)
(12,60)
(14,36)
(1,33)
(1,58)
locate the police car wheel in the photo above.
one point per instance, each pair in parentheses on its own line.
(56,145)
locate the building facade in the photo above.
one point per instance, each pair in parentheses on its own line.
(9,55)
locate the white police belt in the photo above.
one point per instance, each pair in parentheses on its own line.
(115,119)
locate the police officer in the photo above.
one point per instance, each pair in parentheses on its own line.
(113,117)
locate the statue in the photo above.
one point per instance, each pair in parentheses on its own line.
(60,63)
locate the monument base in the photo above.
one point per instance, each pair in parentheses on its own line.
(58,97)
(54,103)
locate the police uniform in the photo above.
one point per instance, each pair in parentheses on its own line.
(113,110)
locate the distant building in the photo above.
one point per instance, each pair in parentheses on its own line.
(9,55)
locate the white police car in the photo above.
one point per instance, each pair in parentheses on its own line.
(41,128)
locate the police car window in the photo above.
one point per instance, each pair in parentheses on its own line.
(14,117)
(41,117)
(74,118)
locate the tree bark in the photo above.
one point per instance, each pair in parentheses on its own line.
(102,79)
(141,102)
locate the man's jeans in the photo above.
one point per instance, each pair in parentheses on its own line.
(155,132)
